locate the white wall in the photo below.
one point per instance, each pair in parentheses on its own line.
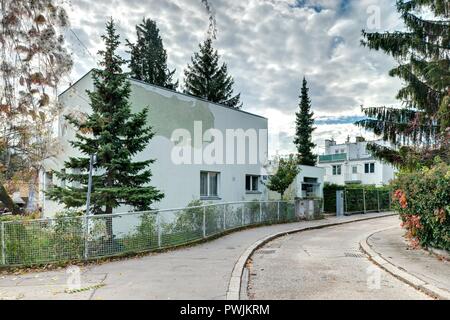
(169,111)
(311,172)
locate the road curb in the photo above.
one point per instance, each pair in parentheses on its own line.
(401,274)
(234,285)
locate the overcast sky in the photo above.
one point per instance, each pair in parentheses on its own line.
(269,45)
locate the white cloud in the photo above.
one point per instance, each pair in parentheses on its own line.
(269,45)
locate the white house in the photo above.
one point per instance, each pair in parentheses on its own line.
(203,150)
(350,162)
(308,183)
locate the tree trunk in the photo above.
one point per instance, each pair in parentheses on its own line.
(7,201)
(31,203)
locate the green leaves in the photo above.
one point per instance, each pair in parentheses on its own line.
(427,192)
(115,136)
(149,58)
(422,52)
(304,128)
(286,172)
(206,79)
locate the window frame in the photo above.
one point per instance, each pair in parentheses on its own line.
(253,178)
(369,167)
(334,169)
(209,176)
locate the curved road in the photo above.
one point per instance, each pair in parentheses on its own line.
(199,272)
(324,264)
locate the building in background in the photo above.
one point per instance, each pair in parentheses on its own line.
(350,162)
(308,183)
(168,111)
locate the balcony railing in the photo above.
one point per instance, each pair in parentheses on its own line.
(353,177)
(333,157)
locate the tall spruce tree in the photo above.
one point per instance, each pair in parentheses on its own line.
(206,79)
(114,135)
(303,129)
(420,128)
(149,58)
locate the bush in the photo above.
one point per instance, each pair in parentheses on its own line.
(423,200)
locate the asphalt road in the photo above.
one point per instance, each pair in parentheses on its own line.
(324,264)
(199,272)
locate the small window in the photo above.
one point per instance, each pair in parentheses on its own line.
(354,169)
(310,180)
(337,170)
(209,184)
(369,167)
(251,183)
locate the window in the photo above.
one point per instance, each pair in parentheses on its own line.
(354,169)
(251,183)
(209,184)
(337,170)
(369,167)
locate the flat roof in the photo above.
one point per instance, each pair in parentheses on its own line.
(170,90)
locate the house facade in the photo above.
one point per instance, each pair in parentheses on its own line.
(308,183)
(203,151)
(351,162)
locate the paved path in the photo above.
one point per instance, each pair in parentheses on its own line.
(324,264)
(391,246)
(198,272)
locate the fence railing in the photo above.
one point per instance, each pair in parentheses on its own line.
(366,200)
(42,241)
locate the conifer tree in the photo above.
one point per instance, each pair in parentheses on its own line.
(303,129)
(421,125)
(205,78)
(149,58)
(114,135)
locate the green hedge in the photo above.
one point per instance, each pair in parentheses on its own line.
(354,197)
(423,200)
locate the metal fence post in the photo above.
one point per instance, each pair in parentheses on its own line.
(390,200)
(204,222)
(364,199)
(3,243)
(278,210)
(158,225)
(345,201)
(224,213)
(260,212)
(378,200)
(86,237)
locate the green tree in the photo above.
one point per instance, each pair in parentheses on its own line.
(114,135)
(206,79)
(421,125)
(284,176)
(149,58)
(303,129)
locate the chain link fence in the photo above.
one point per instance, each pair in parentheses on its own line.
(76,238)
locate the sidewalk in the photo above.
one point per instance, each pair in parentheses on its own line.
(392,247)
(202,271)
